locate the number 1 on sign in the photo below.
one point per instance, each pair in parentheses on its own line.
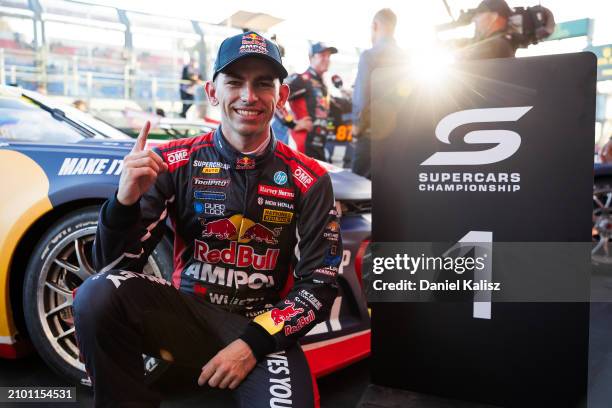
(484,249)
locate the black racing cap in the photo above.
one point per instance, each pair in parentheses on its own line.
(245,45)
(496,6)
(321,47)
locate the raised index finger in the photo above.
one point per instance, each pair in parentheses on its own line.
(141,140)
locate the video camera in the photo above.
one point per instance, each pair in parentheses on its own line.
(526,25)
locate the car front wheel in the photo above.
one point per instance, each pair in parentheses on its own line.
(60,263)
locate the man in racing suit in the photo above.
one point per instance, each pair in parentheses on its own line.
(309,97)
(256,249)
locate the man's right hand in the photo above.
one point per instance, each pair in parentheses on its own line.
(140,170)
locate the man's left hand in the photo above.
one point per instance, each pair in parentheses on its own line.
(229,366)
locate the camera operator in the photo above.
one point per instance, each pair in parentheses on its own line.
(492,39)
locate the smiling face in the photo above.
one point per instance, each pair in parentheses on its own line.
(247,92)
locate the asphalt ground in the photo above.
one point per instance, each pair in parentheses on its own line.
(338,390)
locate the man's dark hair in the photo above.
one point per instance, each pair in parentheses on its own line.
(387,18)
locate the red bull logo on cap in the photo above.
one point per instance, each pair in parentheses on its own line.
(253,43)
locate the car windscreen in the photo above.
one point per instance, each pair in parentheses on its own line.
(25,122)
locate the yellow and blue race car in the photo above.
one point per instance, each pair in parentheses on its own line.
(58,166)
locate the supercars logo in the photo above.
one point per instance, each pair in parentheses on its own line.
(507,142)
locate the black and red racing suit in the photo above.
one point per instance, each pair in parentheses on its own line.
(256,235)
(309,97)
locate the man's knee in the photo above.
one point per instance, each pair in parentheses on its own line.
(93,300)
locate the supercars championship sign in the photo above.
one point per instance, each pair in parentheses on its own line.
(493,163)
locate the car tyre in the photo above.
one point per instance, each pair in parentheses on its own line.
(60,262)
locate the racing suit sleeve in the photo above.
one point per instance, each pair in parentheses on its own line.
(361,92)
(315,286)
(127,235)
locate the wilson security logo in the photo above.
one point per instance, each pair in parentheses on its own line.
(507,143)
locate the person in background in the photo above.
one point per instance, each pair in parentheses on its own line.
(190,79)
(284,121)
(492,39)
(384,53)
(309,97)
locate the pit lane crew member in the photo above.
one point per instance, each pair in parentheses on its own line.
(309,97)
(256,251)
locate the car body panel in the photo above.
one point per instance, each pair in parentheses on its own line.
(25,206)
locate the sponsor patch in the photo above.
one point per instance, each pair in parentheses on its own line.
(303,177)
(228,277)
(245,163)
(118,279)
(333,226)
(211,170)
(311,299)
(209,208)
(273,203)
(223,299)
(207,164)
(280,178)
(253,43)
(277,216)
(331,236)
(301,323)
(329,271)
(209,195)
(243,256)
(210,182)
(261,234)
(278,192)
(265,321)
(274,320)
(176,156)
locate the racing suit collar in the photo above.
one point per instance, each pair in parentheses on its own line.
(239,160)
(314,73)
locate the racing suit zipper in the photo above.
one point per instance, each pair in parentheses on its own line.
(244,208)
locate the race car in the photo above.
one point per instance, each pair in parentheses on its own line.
(59,165)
